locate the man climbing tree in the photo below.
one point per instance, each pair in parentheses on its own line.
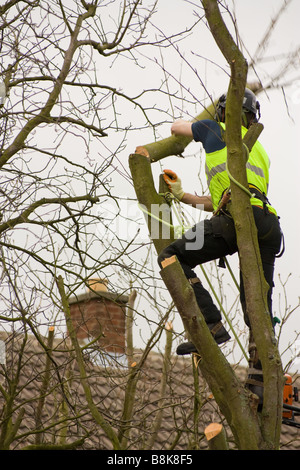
(218,232)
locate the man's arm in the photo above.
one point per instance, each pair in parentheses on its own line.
(203,201)
(182,127)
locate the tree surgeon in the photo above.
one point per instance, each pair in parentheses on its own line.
(215,238)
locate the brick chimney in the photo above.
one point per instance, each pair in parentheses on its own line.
(100,313)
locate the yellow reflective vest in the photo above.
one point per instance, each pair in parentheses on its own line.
(257,169)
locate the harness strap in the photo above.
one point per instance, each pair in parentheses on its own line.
(258,194)
(216,328)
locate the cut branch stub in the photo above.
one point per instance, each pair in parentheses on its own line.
(172,145)
(216,437)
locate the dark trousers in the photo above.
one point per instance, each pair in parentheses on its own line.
(215,238)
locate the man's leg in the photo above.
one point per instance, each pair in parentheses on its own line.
(190,254)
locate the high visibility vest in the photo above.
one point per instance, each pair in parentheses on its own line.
(257,169)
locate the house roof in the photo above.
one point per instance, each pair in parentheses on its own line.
(64,410)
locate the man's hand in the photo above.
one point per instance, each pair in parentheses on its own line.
(173,183)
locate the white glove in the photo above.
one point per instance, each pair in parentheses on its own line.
(173,183)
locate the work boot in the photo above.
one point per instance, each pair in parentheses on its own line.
(219,333)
